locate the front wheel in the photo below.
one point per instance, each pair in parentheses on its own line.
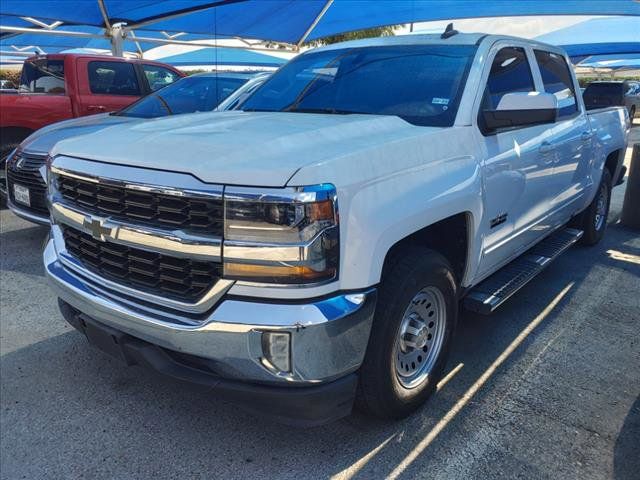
(412,329)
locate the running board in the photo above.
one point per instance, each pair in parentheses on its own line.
(492,292)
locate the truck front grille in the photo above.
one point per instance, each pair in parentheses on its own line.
(24,169)
(180,279)
(192,214)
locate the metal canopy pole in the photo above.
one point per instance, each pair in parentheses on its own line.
(313,24)
(105,15)
(64,33)
(117,33)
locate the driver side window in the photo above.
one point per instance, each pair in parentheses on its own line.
(510,72)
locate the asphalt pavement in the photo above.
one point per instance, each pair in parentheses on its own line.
(547,387)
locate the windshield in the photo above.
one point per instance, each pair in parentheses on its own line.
(43,76)
(419,83)
(189,95)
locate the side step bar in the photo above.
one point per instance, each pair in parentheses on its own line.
(492,292)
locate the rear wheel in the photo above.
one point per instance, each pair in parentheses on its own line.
(415,317)
(593,221)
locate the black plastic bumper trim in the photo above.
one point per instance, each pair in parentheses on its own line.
(302,406)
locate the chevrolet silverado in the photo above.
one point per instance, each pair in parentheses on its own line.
(311,251)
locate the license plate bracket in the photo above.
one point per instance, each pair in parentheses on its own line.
(21,195)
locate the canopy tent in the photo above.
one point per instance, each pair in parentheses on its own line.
(607,35)
(219,56)
(98,40)
(287,21)
(629,61)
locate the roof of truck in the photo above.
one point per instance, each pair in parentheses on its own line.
(430,39)
(94,56)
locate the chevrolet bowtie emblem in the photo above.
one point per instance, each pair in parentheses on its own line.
(96,227)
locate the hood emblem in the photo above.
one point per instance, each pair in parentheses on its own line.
(96,227)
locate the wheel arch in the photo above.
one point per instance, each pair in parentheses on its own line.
(438,237)
(613,163)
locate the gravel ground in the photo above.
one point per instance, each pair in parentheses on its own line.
(548,387)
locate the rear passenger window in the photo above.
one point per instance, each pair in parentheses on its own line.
(510,72)
(43,76)
(556,78)
(113,78)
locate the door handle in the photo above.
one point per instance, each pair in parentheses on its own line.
(547,147)
(586,136)
(97,108)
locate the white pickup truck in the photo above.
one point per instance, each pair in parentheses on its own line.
(313,249)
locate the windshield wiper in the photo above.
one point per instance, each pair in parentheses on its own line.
(334,111)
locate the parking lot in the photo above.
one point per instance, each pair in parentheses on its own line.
(548,387)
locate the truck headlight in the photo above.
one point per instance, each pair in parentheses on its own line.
(281,236)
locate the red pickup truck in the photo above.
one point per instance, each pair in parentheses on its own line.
(62,86)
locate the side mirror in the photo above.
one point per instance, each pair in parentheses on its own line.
(521,109)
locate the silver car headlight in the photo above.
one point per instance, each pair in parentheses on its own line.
(281,236)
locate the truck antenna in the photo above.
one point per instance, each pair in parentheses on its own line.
(449,32)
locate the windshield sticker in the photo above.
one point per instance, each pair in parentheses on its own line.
(440,101)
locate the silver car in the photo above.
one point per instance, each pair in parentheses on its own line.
(25,184)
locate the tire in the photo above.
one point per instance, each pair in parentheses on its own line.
(424,275)
(593,221)
(632,113)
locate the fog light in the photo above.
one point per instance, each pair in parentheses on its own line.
(276,347)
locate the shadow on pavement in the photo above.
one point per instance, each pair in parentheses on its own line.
(627,449)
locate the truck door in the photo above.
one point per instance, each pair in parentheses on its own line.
(571,137)
(518,164)
(107,85)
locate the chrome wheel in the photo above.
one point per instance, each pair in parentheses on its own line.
(601,207)
(420,337)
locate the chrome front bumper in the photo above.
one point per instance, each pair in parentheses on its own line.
(328,336)
(26,215)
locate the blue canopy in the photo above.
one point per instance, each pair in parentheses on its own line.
(55,43)
(222,56)
(290,21)
(612,61)
(608,35)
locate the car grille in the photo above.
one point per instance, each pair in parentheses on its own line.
(177,278)
(28,175)
(192,214)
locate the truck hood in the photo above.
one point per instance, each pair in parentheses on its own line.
(43,140)
(235,147)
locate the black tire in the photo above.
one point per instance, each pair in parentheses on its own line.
(380,391)
(586,221)
(632,113)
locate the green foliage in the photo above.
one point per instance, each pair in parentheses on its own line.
(193,72)
(358,34)
(12,75)
(584,81)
